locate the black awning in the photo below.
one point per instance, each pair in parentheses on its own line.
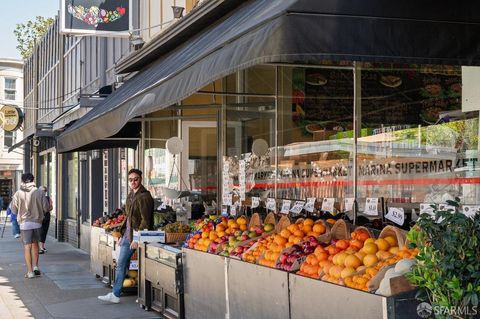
(17,145)
(128,136)
(289,31)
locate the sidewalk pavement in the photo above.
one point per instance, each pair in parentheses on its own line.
(66,288)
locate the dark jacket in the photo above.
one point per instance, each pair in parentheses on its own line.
(139,209)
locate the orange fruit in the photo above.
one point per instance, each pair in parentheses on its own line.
(360,255)
(285,233)
(347,272)
(368,240)
(370,248)
(332,250)
(308,221)
(312,259)
(394,250)
(331,221)
(243,227)
(339,259)
(356,243)
(322,256)
(293,228)
(352,261)
(299,233)
(362,236)
(220,228)
(241,221)
(319,228)
(279,240)
(370,260)
(382,244)
(307,228)
(392,241)
(342,244)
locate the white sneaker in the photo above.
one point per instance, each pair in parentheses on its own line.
(110,297)
(29,275)
(17,236)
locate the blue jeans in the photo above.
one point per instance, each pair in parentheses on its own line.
(123,264)
(15,226)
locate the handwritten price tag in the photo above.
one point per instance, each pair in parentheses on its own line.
(426,208)
(233,210)
(271,204)
(471,210)
(297,207)
(349,203)
(328,204)
(255,202)
(310,204)
(446,207)
(285,206)
(371,206)
(396,215)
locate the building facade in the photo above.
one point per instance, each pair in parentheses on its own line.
(11,163)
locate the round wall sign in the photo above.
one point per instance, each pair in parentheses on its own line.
(11,117)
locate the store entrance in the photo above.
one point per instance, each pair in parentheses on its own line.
(199,162)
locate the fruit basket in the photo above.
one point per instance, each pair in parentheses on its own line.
(340,230)
(395,232)
(175,237)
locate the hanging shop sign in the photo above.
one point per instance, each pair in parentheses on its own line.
(11,118)
(96,17)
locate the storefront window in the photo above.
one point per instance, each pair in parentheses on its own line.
(72,185)
(416,144)
(250,139)
(315,132)
(159,171)
(52,181)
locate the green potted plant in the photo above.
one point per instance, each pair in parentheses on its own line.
(447,272)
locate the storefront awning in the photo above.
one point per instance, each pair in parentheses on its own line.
(17,145)
(288,31)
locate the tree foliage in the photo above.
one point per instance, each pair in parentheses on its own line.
(26,34)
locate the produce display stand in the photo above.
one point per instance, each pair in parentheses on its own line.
(309,297)
(162,269)
(205,289)
(256,292)
(96,265)
(222,287)
(105,257)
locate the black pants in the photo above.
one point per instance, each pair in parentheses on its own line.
(45,225)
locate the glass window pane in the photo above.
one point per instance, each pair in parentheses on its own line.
(416,145)
(315,133)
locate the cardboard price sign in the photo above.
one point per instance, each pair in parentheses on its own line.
(297,207)
(426,208)
(349,203)
(470,210)
(255,202)
(371,206)
(310,204)
(328,204)
(271,204)
(396,215)
(286,203)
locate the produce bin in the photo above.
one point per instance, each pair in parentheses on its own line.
(204,276)
(105,257)
(256,291)
(161,271)
(314,298)
(96,265)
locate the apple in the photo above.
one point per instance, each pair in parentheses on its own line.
(252,234)
(244,237)
(268,227)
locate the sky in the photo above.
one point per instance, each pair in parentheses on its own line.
(20,11)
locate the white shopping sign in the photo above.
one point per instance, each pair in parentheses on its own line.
(396,215)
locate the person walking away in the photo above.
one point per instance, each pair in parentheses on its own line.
(139,216)
(13,219)
(29,203)
(45,222)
